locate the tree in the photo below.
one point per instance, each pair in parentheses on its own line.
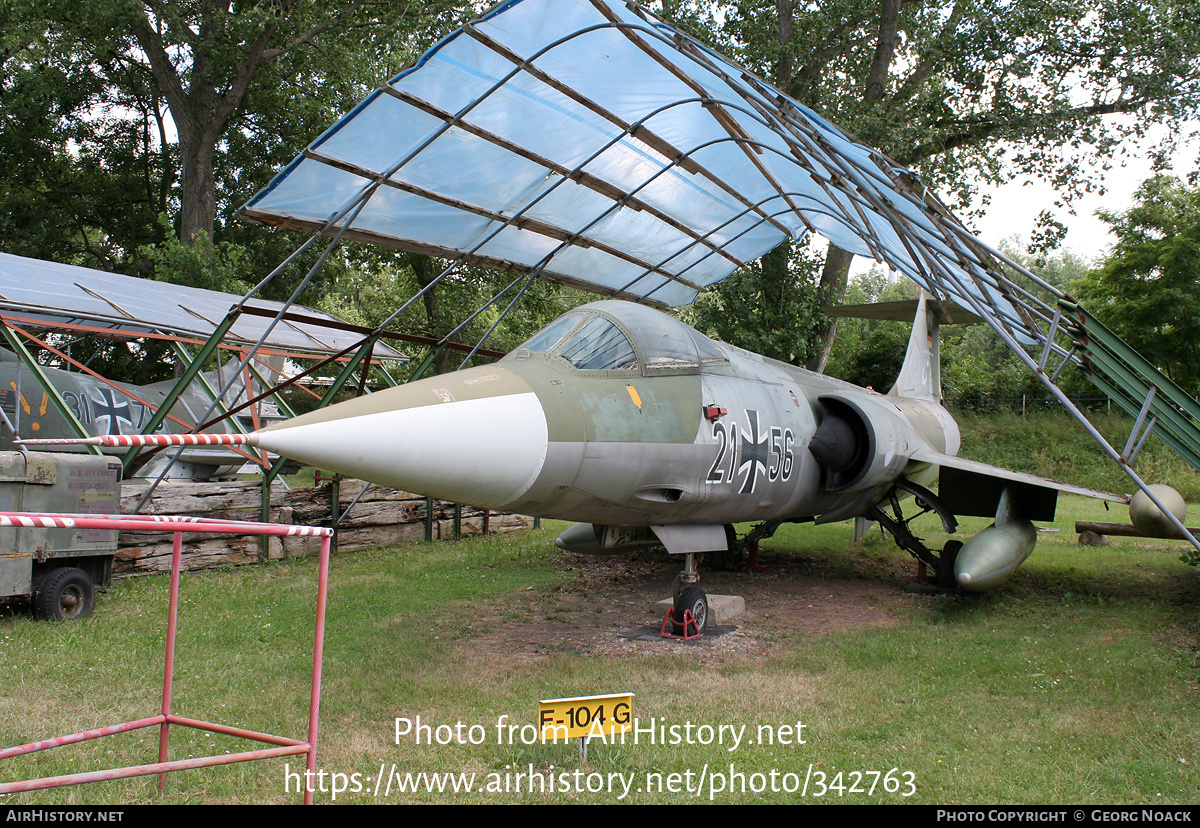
(968,93)
(769,308)
(204,56)
(181,107)
(80,177)
(1148,288)
(369,297)
(869,352)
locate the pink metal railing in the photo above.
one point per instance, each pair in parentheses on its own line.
(178,525)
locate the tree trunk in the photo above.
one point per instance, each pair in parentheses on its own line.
(830,292)
(837,261)
(198,198)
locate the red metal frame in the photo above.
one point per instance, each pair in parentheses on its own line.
(284,746)
(691,631)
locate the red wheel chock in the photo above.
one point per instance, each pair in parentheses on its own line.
(690,630)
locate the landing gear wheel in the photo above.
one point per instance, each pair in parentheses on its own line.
(691,600)
(946,577)
(66,594)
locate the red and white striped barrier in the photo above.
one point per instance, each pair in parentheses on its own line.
(161,523)
(131,440)
(179,525)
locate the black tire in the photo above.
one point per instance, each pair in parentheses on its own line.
(66,594)
(946,577)
(693,599)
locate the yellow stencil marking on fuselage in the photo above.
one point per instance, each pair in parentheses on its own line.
(633,395)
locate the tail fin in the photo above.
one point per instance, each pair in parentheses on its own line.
(921,374)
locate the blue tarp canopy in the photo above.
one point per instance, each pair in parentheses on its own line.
(591,143)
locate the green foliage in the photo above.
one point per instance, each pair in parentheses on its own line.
(116,113)
(968,93)
(869,352)
(202,264)
(368,296)
(769,308)
(1051,444)
(79,172)
(976,364)
(1148,289)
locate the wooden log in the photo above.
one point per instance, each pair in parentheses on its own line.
(381,517)
(375,536)
(225,499)
(1122,529)
(199,554)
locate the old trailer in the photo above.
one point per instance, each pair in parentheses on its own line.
(60,569)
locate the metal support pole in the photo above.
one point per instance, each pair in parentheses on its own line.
(1138,448)
(1137,424)
(269,478)
(353,503)
(335,503)
(1050,338)
(169,661)
(425,364)
(185,379)
(357,208)
(314,703)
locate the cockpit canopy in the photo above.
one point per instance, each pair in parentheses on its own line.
(613,336)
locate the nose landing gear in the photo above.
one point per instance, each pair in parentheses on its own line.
(688,618)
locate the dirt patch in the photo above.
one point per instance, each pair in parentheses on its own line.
(612,597)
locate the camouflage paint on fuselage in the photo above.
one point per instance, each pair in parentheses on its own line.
(100,407)
(634,445)
(618,414)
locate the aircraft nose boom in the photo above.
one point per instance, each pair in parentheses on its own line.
(485,451)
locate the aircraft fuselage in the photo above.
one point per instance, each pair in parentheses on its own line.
(679,431)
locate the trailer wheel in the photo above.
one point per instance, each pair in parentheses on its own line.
(66,594)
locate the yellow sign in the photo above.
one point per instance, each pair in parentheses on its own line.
(563,719)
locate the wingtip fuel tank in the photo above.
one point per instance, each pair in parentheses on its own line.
(1148,519)
(989,558)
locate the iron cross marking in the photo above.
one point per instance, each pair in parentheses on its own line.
(754,454)
(107,407)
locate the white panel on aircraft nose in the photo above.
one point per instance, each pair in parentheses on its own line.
(484,452)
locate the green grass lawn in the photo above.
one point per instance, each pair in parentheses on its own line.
(1075,682)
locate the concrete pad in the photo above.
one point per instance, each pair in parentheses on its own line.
(721,608)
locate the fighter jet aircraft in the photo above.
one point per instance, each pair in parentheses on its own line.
(645,431)
(108,408)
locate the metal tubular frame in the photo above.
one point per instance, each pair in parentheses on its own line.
(217,335)
(538,268)
(27,360)
(934,250)
(1122,462)
(283,746)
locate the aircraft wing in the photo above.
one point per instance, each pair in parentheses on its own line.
(969,487)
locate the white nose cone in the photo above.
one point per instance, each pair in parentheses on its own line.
(483,452)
